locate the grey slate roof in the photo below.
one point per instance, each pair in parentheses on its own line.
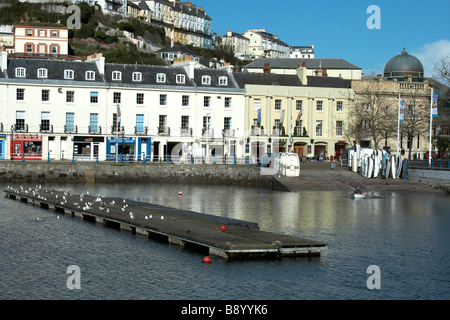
(286,63)
(243,78)
(215,75)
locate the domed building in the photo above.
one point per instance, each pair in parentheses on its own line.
(404,66)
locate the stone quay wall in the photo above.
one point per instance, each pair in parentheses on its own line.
(89,172)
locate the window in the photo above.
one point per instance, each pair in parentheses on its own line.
(90,75)
(319,106)
(29,48)
(70,96)
(30,32)
(45,121)
(140,123)
(55,49)
(298,105)
(227,123)
(185,101)
(45,95)
(139,98)
(41,33)
(20,94)
(70,121)
(386,112)
(42,73)
(319,128)
(21,72)
(277,104)
(20,120)
(299,127)
(117,97)
(207,102)
(184,122)
(161,78)
(206,122)
(339,128)
(180,78)
(339,106)
(94,97)
(54,33)
(163,99)
(206,80)
(117,76)
(68,74)
(137,76)
(223,81)
(93,122)
(162,123)
(256,104)
(227,102)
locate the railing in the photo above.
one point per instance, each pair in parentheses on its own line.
(137,132)
(94,130)
(75,129)
(164,131)
(46,129)
(434,163)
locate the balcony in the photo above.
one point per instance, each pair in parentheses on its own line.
(258,131)
(164,131)
(19,128)
(186,132)
(228,133)
(94,130)
(115,131)
(141,131)
(45,128)
(278,131)
(73,129)
(207,132)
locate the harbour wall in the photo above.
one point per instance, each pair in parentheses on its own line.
(88,172)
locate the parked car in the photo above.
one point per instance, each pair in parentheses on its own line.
(434,154)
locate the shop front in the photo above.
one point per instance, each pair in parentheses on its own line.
(128,148)
(26,147)
(3,138)
(87,148)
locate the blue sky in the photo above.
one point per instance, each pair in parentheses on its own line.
(338,28)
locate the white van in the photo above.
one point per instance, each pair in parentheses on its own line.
(289,164)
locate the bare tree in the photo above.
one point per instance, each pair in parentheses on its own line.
(442,70)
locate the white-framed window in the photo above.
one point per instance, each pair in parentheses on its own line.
(90,75)
(54,33)
(223,81)
(180,78)
(207,102)
(20,94)
(137,76)
(69,74)
(21,72)
(298,105)
(206,80)
(339,128)
(45,121)
(45,95)
(319,128)
(277,104)
(42,73)
(29,48)
(256,104)
(227,102)
(55,49)
(139,98)
(319,106)
(70,96)
(339,106)
(42,33)
(185,101)
(116,76)
(161,78)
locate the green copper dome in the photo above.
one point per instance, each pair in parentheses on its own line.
(403,65)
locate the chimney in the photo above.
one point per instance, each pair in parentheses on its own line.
(229,33)
(3,61)
(301,73)
(266,67)
(99,61)
(189,68)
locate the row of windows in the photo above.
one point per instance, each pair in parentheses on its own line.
(94,123)
(43,33)
(299,127)
(299,105)
(117,76)
(117,98)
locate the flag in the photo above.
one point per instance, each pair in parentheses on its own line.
(282,117)
(402,111)
(299,115)
(259,116)
(434,110)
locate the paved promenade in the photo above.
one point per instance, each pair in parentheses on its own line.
(318,176)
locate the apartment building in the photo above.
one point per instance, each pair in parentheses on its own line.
(239,43)
(304,52)
(265,45)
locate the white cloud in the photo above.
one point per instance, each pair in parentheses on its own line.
(431,53)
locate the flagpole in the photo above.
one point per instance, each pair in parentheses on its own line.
(398,125)
(431,124)
(117,131)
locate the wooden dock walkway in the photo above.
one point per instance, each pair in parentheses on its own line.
(218,236)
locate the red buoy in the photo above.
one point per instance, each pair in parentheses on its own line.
(180,193)
(207,259)
(223,227)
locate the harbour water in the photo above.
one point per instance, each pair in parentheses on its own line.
(405,235)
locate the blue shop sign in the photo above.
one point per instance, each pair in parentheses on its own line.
(122,139)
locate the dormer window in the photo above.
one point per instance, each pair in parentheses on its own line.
(117,76)
(161,78)
(68,74)
(137,76)
(180,78)
(90,75)
(42,73)
(21,72)
(223,81)
(206,80)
